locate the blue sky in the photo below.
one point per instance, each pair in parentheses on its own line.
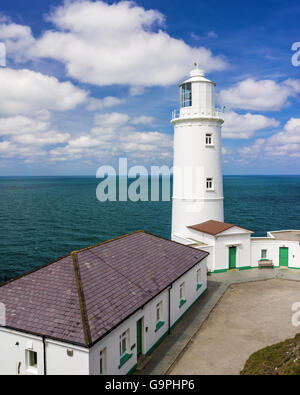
(87,82)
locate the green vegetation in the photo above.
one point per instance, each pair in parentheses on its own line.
(280,359)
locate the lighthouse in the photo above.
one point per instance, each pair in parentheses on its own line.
(197,177)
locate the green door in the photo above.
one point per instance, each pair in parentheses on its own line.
(139,327)
(283,256)
(232,257)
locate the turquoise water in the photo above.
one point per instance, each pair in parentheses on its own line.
(44,218)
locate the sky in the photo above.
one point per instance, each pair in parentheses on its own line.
(87,82)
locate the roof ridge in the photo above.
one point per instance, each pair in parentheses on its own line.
(82,304)
(65,256)
(109,241)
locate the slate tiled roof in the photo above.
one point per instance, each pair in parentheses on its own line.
(213,227)
(81,297)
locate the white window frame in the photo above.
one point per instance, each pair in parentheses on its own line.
(103,362)
(159,312)
(209,140)
(33,368)
(209,184)
(124,339)
(199,276)
(182,291)
(264,252)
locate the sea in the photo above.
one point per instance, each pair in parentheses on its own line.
(44,218)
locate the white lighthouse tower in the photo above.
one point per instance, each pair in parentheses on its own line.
(198,180)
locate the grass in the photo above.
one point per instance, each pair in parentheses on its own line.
(279,359)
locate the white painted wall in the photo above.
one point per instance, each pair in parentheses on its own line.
(194,161)
(59,363)
(272,246)
(111,341)
(11,354)
(241,241)
(87,362)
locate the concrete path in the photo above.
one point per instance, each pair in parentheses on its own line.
(190,343)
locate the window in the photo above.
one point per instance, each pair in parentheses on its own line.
(159,316)
(199,277)
(124,343)
(159,312)
(209,139)
(209,184)
(186,95)
(181,291)
(124,348)
(103,361)
(182,300)
(263,254)
(31,359)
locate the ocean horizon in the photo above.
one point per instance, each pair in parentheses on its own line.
(46,217)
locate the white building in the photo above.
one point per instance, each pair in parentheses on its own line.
(197,214)
(99,310)
(103,309)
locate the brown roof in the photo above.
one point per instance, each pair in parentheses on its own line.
(213,227)
(81,297)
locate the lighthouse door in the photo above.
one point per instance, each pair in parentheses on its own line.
(232,257)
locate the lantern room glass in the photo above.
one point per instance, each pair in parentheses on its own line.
(186,95)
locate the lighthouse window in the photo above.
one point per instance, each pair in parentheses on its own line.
(209,184)
(209,139)
(186,95)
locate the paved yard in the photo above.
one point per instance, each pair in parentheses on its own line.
(247,318)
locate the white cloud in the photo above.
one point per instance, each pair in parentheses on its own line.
(114,135)
(18,40)
(47,138)
(143,120)
(286,143)
(243,126)
(113,119)
(20,125)
(119,43)
(263,95)
(106,102)
(25,91)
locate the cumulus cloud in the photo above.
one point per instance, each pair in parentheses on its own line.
(106,102)
(18,39)
(262,95)
(114,135)
(119,43)
(25,91)
(21,125)
(285,143)
(49,137)
(243,126)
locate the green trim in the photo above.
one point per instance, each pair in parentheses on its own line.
(131,370)
(295,268)
(198,287)
(156,344)
(245,268)
(182,315)
(182,302)
(220,271)
(159,325)
(124,359)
